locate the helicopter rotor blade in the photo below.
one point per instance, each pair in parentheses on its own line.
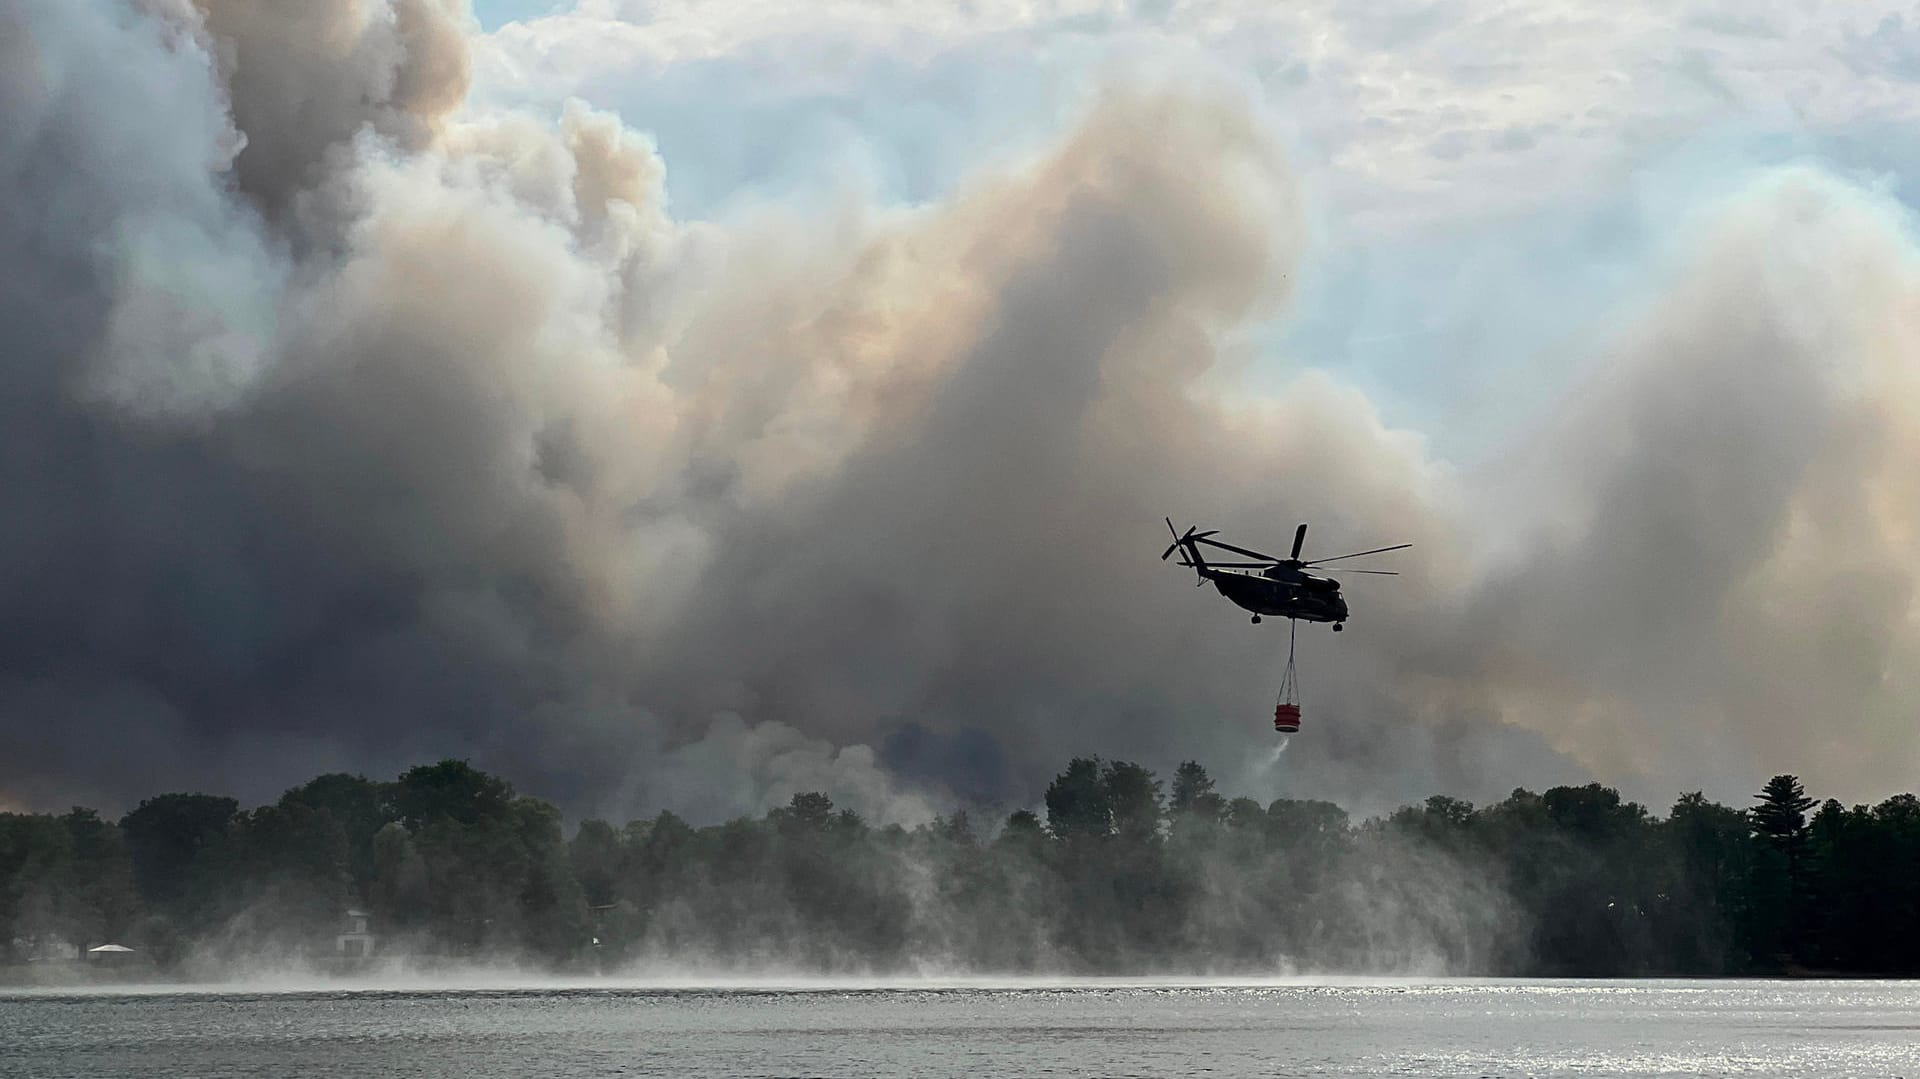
(1176,540)
(1238,550)
(1359,554)
(1232,565)
(1299,537)
(1375,572)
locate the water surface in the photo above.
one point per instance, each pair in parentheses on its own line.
(1349,1028)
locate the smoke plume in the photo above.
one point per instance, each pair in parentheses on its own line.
(349,425)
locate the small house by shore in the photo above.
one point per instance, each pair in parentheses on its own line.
(355,940)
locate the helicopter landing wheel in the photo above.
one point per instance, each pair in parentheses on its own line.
(1338,626)
(1256,619)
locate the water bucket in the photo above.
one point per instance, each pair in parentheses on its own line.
(1286,718)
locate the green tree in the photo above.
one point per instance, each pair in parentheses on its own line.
(1781,816)
(1312,836)
(1594,914)
(957,828)
(1778,920)
(399,891)
(451,790)
(812,811)
(597,855)
(287,880)
(36,861)
(1574,881)
(1133,801)
(552,910)
(1193,793)
(1022,830)
(1079,805)
(1707,861)
(104,905)
(1245,813)
(1894,852)
(360,806)
(177,844)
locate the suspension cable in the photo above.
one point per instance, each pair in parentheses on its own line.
(1290,681)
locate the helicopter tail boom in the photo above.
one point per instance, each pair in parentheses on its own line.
(1188,546)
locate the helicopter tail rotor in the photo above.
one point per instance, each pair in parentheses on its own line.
(1189,546)
(1175,545)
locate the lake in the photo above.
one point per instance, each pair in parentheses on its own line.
(1336,1027)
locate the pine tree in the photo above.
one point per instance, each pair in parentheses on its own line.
(1780,893)
(1077,802)
(1193,792)
(1781,815)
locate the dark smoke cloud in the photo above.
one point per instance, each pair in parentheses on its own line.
(347,427)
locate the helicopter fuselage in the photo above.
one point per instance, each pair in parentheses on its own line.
(1282,587)
(1299,595)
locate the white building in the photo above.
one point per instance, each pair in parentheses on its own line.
(354,941)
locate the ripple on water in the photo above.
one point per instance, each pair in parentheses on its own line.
(1330,1027)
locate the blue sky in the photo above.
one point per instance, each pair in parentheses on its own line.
(1488,190)
(492,13)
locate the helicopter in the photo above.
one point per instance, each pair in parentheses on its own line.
(1283,587)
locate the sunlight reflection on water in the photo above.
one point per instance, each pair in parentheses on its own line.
(1337,1027)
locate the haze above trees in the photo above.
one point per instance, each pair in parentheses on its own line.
(1122,876)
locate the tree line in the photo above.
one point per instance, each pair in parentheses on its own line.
(1122,875)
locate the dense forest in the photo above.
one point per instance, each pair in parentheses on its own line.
(1121,876)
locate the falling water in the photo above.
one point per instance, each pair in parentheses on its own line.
(1274,757)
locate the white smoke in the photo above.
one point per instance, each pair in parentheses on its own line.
(356,423)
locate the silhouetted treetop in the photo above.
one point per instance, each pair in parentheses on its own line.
(167,836)
(1077,803)
(447,861)
(450,790)
(1782,813)
(1193,792)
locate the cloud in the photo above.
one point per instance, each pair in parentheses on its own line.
(1410,115)
(411,424)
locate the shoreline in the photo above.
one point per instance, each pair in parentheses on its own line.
(496,980)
